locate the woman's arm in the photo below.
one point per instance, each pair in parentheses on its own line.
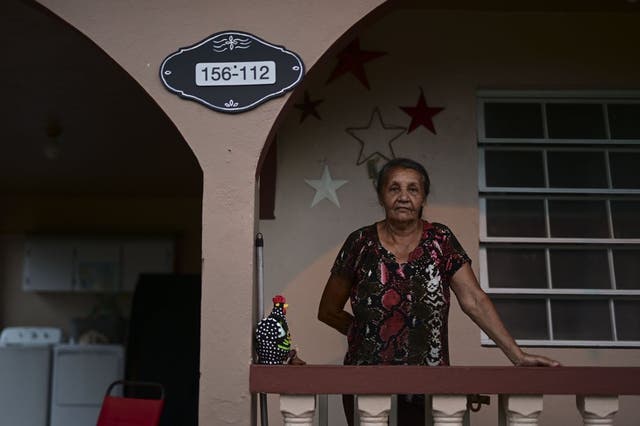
(477,305)
(331,310)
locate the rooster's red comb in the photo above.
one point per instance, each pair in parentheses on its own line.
(279,299)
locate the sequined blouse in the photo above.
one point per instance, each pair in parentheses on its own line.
(400,309)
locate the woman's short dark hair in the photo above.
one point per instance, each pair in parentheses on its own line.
(403,163)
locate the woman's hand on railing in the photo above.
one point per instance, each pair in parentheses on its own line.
(531,360)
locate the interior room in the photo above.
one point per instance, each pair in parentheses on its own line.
(98,188)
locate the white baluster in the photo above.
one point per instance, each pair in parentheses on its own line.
(521,409)
(374,409)
(298,409)
(448,409)
(597,410)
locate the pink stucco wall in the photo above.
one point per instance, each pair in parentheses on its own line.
(450,55)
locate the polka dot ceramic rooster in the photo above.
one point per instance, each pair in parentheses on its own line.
(273,341)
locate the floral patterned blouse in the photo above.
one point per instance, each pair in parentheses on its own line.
(400,310)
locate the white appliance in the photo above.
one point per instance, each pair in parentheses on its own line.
(81,376)
(25,374)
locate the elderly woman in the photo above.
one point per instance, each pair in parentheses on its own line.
(397,274)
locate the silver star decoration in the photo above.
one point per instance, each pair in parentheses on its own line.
(376,138)
(325,187)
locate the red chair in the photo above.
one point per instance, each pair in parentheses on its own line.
(126,411)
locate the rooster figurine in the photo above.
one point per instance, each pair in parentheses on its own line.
(273,341)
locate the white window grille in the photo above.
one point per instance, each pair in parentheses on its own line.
(559,194)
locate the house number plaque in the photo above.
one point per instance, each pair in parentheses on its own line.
(231,71)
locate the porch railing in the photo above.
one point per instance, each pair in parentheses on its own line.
(520,390)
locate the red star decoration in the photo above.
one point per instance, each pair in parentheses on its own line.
(308,107)
(422,114)
(352,59)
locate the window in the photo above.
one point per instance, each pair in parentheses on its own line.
(559,194)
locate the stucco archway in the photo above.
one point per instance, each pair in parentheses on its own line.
(138,36)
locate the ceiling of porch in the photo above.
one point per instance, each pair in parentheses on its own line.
(73,122)
(597,6)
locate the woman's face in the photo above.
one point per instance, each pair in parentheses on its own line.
(402,195)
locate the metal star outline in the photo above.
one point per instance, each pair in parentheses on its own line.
(352,60)
(422,114)
(325,187)
(375,137)
(308,107)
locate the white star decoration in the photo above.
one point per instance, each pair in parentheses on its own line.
(376,138)
(325,187)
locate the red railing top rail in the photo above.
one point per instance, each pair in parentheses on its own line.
(363,380)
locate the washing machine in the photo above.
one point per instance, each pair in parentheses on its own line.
(81,375)
(25,374)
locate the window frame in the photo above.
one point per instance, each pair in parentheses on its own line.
(547,243)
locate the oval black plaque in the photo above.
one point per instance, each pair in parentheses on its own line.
(231,71)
